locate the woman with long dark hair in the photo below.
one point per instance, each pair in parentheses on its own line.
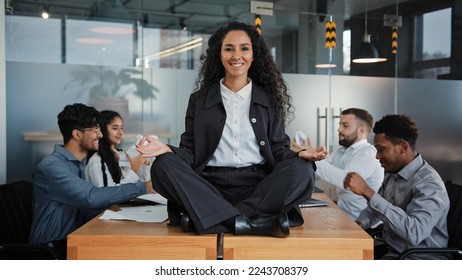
(234,170)
(111,166)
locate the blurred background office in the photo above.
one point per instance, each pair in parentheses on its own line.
(140,58)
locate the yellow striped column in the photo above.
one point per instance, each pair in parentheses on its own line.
(331,27)
(258,23)
(394,39)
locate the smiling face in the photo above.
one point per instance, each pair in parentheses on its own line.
(115,131)
(89,139)
(391,155)
(236,54)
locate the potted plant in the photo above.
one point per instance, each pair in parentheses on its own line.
(108,89)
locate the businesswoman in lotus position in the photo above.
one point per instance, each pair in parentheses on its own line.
(233,170)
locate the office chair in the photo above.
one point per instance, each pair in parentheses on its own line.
(15,224)
(454,227)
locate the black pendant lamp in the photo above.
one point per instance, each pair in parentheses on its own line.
(367,52)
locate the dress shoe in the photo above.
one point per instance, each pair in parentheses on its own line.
(174,214)
(264,224)
(186,223)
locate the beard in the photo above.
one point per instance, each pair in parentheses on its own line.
(347,141)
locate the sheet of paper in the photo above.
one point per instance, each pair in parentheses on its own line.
(145,214)
(155,197)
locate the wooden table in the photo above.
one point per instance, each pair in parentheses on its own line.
(125,240)
(328,233)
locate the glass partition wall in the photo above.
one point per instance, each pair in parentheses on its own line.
(141,58)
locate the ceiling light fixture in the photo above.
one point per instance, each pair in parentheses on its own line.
(195,43)
(367,52)
(46,12)
(325,65)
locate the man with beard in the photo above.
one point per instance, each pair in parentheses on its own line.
(355,154)
(412,203)
(63,200)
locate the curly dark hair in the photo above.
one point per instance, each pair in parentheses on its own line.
(76,116)
(263,71)
(105,152)
(397,128)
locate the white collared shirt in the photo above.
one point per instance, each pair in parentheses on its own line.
(360,158)
(238,146)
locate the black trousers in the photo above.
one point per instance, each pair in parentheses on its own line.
(218,195)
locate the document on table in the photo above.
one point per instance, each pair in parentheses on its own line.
(154,197)
(145,214)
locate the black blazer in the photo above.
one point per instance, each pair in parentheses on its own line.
(205,120)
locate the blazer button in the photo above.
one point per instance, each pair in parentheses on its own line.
(262,143)
(254,120)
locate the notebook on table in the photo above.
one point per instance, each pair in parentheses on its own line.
(312,202)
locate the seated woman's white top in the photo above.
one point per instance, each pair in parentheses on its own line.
(94,174)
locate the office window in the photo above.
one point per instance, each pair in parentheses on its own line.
(174,49)
(99,43)
(86,42)
(32,39)
(432,39)
(432,72)
(346,51)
